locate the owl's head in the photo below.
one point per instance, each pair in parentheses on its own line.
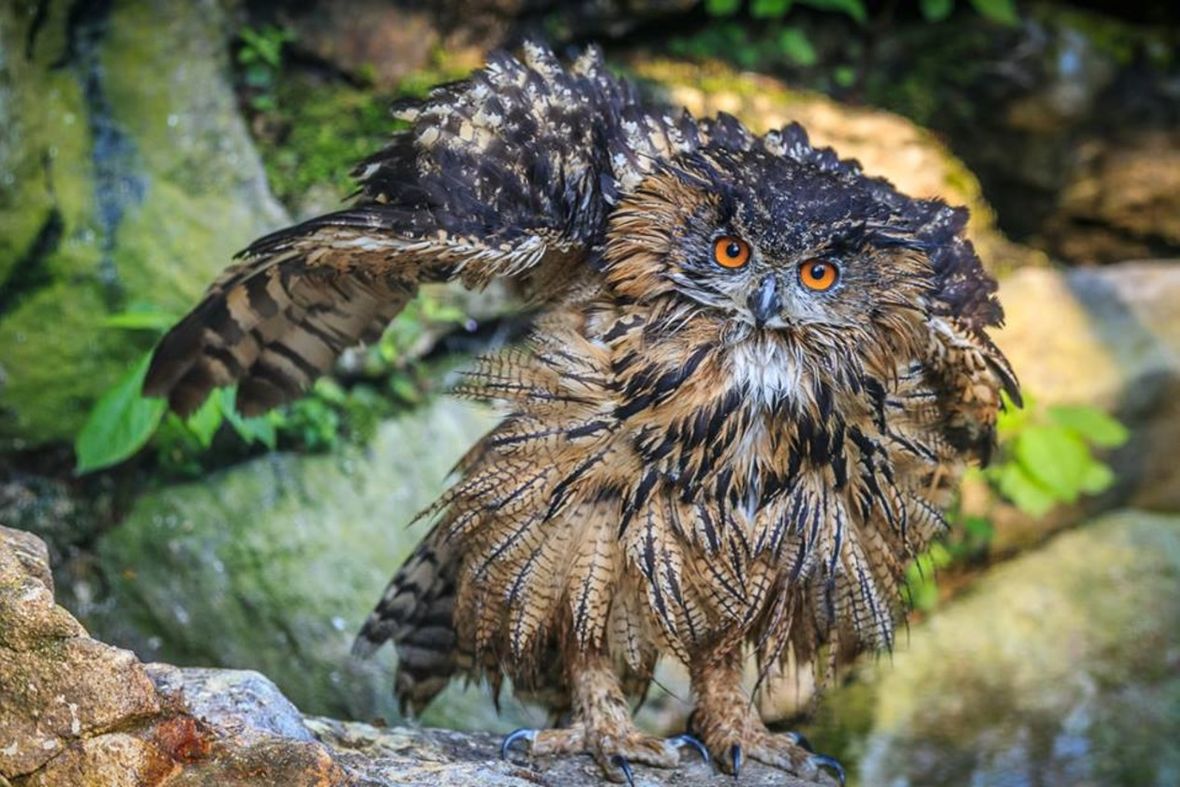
(778,235)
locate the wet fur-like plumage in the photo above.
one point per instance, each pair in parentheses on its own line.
(671,476)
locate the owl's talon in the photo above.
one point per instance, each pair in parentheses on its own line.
(801,741)
(515,737)
(680,741)
(735,757)
(624,765)
(824,761)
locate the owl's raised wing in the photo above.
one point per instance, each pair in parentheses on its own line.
(507,171)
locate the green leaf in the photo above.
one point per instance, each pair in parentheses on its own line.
(1098,478)
(844,76)
(979,527)
(795,45)
(1012,419)
(769,9)
(936,10)
(204,423)
(853,8)
(258,429)
(722,7)
(1001,11)
(329,390)
(404,388)
(1024,491)
(1056,457)
(141,319)
(1091,424)
(920,580)
(121,422)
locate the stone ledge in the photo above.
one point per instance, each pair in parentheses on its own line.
(84,712)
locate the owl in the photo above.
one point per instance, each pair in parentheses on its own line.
(755,377)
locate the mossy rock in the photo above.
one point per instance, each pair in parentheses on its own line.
(131,180)
(1056,668)
(274,564)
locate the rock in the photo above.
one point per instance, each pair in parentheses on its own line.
(1061,667)
(1068,120)
(128,179)
(382,41)
(59,686)
(274,564)
(1109,338)
(886,144)
(119,722)
(1122,199)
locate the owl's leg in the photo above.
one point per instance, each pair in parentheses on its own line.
(602,726)
(727,722)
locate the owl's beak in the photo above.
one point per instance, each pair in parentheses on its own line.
(765,301)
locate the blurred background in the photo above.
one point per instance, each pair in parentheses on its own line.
(145,141)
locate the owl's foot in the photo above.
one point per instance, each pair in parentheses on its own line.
(613,749)
(733,731)
(750,740)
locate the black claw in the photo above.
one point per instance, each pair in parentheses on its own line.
(824,761)
(620,762)
(735,756)
(514,737)
(801,741)
(687,740)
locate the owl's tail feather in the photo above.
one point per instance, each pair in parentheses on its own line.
(278,319)
(415,612)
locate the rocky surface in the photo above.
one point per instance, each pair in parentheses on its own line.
(1061,667)
(273,565)
(1067,118)
(77,712)
(129,179)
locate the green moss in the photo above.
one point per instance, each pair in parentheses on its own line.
(274,563)
(327,127)
(162,75)
(1056,662)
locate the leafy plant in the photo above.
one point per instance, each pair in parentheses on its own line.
(123,421)
(1045,458)
(261,55)
(1000,11)
(757,34)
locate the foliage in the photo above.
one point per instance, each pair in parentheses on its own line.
(121,422)
(761,34)
(316,131)
(1044,458)
(325,130)
(261,57)
(124,421)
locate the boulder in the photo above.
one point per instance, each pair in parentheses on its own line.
(59,686)
(1068,119)
(1121,199)
(274,564)
(80,712)
(129,181)
(1057,668)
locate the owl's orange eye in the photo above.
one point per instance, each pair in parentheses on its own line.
(818,275)
(731,252)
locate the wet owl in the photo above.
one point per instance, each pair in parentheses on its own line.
(755,377)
